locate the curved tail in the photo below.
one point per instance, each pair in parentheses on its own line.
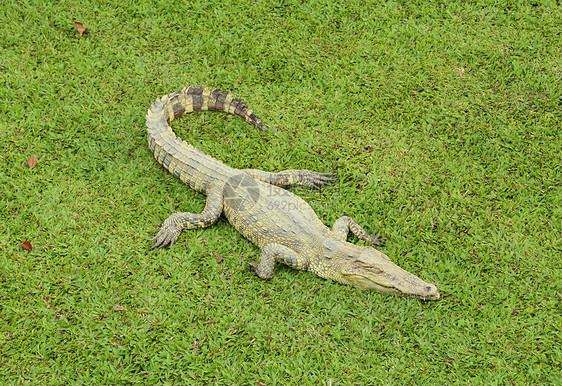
(180,158)
(199,98)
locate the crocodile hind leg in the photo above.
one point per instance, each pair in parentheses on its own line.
(304,177)
(173,225)
(272,252)
(343,225)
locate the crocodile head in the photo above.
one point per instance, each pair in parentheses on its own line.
(368,268)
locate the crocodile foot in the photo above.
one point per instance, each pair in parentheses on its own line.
(375,239)
(345,224)
(251,266)
(316,180)
(167,235)
(255,267)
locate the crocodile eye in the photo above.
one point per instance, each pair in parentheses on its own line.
(368,267)
(375,270)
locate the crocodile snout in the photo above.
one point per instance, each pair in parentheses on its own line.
(431,292)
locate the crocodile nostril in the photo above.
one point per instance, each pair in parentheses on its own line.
(428,288)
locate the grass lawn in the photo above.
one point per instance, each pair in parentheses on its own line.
(442,121)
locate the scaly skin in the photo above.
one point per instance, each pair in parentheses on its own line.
(281,224)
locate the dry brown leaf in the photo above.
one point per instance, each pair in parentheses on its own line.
(27,245)
(80,27)
(32,162)
(219,259)
(117,307)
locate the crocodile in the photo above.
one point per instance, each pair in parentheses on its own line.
(256,203)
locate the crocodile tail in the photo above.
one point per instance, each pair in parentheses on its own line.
(176,155)
(206,98)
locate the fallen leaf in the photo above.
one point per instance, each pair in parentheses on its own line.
(32,162)
(117,307)
(27,245)
(80,27)
(219,259)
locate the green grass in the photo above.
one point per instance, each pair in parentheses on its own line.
(441,119)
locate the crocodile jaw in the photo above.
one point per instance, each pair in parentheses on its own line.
(374,270)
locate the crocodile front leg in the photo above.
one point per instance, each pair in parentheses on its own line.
(173,225)
(304,177)
(272,252)
(344,224)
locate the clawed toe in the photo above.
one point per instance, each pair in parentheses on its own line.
(376,239)
(319,180)
(251,266)
(164,238)
(161,244)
